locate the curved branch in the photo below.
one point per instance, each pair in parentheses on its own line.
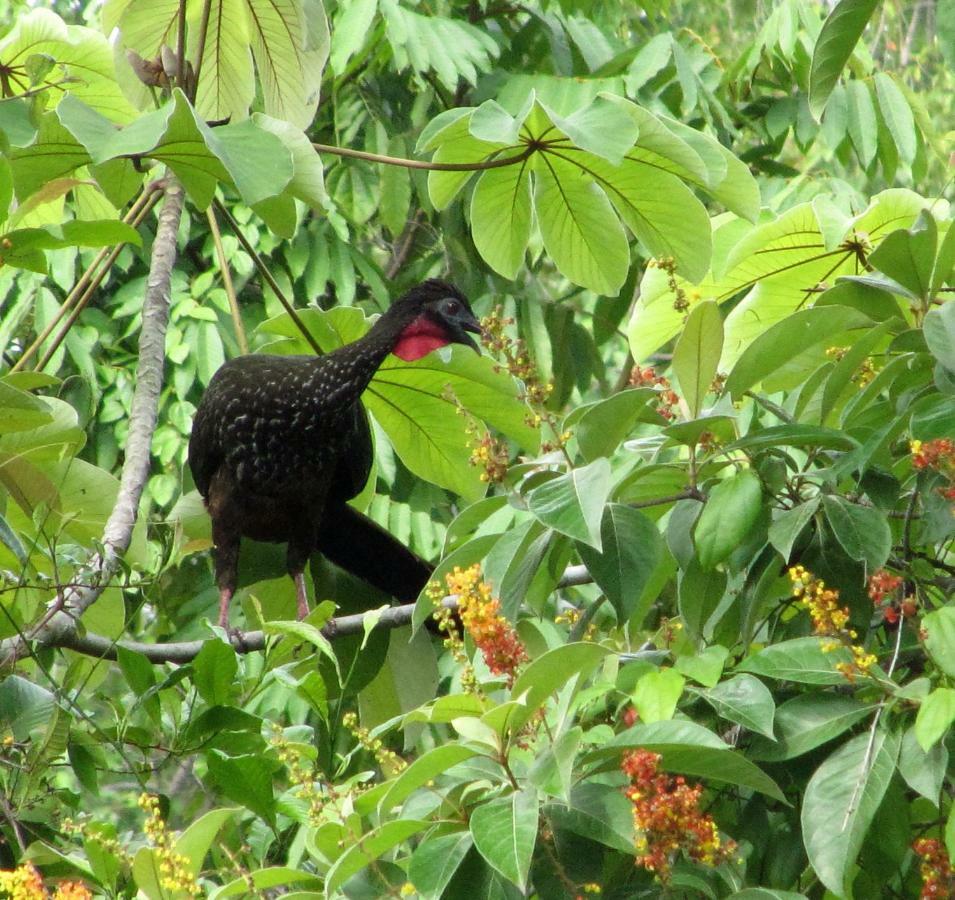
(250,641)
(61,618)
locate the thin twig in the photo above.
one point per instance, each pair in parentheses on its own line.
(227,282)
(870,746)
(267,276)
(93,275)
(91,289)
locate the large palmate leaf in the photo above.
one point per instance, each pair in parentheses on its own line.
(606,161)
(779,264)
(81,57)
(416,403)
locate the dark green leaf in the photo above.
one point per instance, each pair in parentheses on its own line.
(746,700)
(863,531)
(807,721)
(505,832)
(214,670)
(730,512)
(246,780)
(840,802)
(573,504)
(837,39)
(631,550)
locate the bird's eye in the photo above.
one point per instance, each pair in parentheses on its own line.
(451,307)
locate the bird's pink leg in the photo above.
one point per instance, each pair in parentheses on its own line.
(301,594)
(225,597)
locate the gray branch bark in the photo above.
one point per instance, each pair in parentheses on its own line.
(59,625)
(250,641)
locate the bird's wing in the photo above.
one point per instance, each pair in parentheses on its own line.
(353,465)
(205,454)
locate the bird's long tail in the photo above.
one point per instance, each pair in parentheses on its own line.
(361,546)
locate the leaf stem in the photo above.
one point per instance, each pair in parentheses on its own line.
(424,164)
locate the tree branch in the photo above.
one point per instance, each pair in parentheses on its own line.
(96,645)
(61,618)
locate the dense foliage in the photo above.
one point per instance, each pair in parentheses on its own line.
(694,505)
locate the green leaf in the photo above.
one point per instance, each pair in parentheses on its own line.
(939,331)
(573,504)
(550,672)
(795,436)
(24,706)
(21,411)
(631,549)
(599,812)
(82,62)
(863,122)
(602,425)
(788,525)
(426,767)
(603,127)
(840,802)
(353,23)
(746,700)
(580,230)
(501,217)
(837,39)
(939,628)
(705,666)
(897,115)
(923,768)
(290,43)
(226,81)
(696,356)
(799,659)
(658,208)
(214,670)
(194,843)
(656,695)
(730,512)
(246,780)
(908,256)
(435,861)
(371,845)
(863,531)
(807,721)
(691,749)
(505,832)
(787,339)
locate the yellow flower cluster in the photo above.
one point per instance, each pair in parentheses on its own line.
(480,613)
(830,621)
(302,775)
(174,872)
(453,642)
(389,761)
(25,883)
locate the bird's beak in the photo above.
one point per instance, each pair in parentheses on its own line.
(465,338)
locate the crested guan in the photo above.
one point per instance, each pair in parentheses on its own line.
(280,444)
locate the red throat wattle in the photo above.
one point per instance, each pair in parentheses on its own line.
(419,339)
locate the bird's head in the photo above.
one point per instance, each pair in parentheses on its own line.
(431,315)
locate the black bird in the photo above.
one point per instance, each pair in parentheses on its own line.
(280,444)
